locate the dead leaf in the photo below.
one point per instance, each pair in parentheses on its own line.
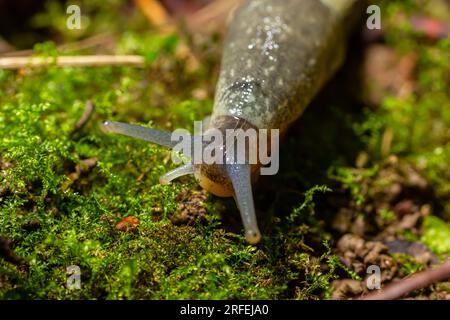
(128,223)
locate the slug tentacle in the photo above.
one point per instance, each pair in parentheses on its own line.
(176,173)
(240,176)
(160,137)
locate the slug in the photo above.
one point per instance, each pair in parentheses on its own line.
(277,55)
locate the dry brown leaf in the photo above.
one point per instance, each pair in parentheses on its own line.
(128,223)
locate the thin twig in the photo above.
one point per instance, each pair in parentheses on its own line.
(86,115)
(417,281)
(72,61)
(5,46)
(103,39)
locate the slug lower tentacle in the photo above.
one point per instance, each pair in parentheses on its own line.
(277,56)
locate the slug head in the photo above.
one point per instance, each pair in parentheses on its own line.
(228,178)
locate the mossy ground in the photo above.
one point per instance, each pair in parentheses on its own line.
(55,218)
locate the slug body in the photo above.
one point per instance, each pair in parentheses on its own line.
(277,56)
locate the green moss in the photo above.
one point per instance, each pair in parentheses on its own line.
(353,179)
(408,264)
(436,235)
(419,123)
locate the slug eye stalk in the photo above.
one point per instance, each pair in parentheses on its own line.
(240,176)
(236,177)
(176,173)
(160,137)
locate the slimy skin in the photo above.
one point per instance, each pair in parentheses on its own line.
(277,55)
